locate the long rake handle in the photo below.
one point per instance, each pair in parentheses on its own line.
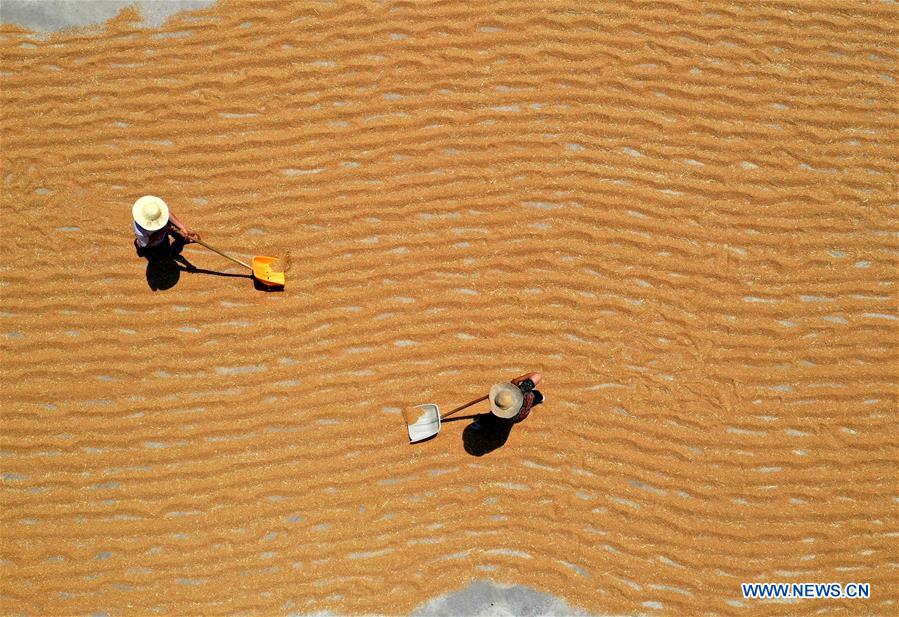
(474,402)
(215,250)
(466,405)
(225,255)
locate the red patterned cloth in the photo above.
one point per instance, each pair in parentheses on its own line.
(526,407)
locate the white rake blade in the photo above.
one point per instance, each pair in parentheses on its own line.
(427,425)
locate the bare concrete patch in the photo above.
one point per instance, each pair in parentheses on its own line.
(53,15)
(488,599)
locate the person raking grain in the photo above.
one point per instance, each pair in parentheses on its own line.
(154,223)
(512,401)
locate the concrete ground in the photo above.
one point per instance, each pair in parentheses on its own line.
(486,599)
(51,15)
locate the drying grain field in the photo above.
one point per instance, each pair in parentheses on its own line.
(683,214)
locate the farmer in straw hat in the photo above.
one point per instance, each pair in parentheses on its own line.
(153,222)
(513,401)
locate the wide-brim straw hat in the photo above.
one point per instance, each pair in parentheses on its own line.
(506,400)
(150,212)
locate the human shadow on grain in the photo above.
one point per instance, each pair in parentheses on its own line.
(165,263)
(491,434)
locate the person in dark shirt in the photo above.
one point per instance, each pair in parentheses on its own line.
(512,402)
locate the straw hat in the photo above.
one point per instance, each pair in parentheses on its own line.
(150,212)
(506,400)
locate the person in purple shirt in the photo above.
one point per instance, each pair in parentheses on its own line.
(154,223)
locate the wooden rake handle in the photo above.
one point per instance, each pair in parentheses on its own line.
(476,401)
(215,250)
(466,405)
(225,255)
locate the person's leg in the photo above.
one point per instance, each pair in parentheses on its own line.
(142,251)
(176,244)
(156,253)
(538,398)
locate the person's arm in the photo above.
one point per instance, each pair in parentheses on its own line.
(176,225)
(534,377)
